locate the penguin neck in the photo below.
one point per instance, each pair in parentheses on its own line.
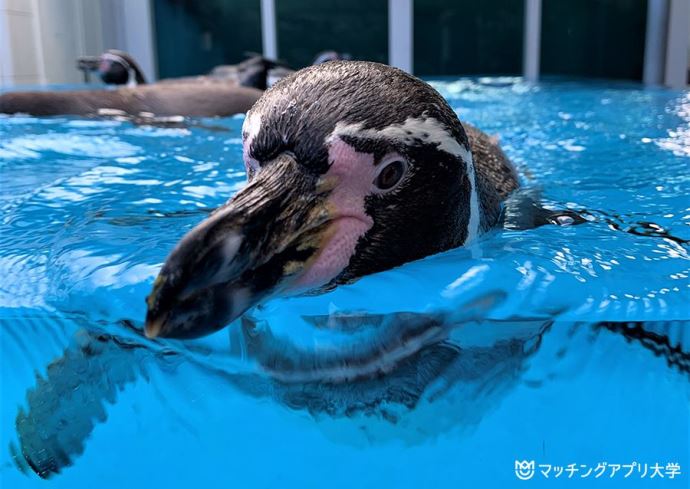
(136,77)
(489,203)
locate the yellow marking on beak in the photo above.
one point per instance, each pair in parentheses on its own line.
(326,184)
(151,299)
(292,267)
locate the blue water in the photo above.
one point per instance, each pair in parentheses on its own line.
(526,370)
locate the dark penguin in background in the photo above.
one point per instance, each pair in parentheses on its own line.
(119,68)
(114,67)
(226,90)
(353,168)
(256,71)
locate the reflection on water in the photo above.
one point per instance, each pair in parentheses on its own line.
(530,343)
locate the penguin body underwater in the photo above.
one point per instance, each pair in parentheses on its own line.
(353,168)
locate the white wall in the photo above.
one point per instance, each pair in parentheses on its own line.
(40,40)
(128,25)
(68,29)
(20,47)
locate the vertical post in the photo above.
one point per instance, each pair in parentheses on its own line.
(38,39)
(128,25)
(676,73)
(655,42)
(137,25)
(400,34)
(269,35)
(531,47)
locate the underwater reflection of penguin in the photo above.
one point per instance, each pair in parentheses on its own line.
(353,168)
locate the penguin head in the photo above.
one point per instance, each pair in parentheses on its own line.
(254,71)
(353,168)
(119,68)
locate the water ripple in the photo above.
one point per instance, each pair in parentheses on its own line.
(461,342)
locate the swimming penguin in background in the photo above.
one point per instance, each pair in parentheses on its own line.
(203,96)
(353,168)
(226,90)
(119,68)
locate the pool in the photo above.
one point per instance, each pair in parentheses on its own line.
(562,347)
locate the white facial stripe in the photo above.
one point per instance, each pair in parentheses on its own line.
(473,222)
(431,131)
(131,78)
(251,126)
(427,129)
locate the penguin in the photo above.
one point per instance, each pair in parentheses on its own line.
(256,71)
(225,90)
(353,168)
(119,68)
(114,68)
(281,71)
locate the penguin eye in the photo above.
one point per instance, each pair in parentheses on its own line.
(390,175)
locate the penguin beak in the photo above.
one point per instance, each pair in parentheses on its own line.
(88,63)
(258,244)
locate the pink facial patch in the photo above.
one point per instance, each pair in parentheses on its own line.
(352,174)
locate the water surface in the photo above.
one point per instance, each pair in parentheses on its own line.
(537,364)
